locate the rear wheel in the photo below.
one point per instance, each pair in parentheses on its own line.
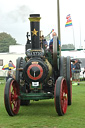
(55,52)
(69,81)
(61,96)
(62,68)
(11,97)
(65,71)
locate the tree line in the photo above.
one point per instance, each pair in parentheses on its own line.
(5,41)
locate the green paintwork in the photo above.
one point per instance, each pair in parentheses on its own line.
(38,87)
(36,96)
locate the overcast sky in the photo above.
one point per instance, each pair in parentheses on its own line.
(14,16)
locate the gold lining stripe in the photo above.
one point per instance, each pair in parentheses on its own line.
(34,19)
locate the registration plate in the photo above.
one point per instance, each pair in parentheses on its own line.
(35,84)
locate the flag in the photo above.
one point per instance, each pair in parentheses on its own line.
(69,21)
(51,31)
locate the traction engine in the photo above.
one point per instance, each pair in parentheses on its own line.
(41,74)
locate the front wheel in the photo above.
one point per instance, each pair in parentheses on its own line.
(61,96)
(11,97)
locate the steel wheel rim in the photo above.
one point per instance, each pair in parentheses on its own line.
(70,82)
(63,96)
(13,97)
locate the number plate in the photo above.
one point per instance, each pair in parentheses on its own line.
(35,84)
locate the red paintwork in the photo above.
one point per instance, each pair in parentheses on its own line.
(40,75)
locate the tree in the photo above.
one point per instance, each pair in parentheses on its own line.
(5,41)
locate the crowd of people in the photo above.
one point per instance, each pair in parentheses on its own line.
(76,69)
(45,44)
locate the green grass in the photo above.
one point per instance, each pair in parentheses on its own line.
(42,114)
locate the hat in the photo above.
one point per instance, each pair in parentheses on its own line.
(10,61)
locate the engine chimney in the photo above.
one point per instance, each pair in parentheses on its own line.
(35,30)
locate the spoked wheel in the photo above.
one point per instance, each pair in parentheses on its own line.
(61,96)
(11,97)
(69,81)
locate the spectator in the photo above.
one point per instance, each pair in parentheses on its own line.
(9,75)
(77,71)
(10,71)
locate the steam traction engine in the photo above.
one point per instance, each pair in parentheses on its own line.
(40,75)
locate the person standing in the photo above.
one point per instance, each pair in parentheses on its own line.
(10,71)
(77,70)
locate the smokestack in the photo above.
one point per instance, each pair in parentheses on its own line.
(35,30)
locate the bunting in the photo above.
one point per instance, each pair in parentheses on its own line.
(48,36)
(52,31)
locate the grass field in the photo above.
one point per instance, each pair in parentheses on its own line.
(42,114)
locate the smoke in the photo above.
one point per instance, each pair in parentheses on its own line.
(20,14)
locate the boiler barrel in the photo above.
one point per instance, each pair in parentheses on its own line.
(35,30)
